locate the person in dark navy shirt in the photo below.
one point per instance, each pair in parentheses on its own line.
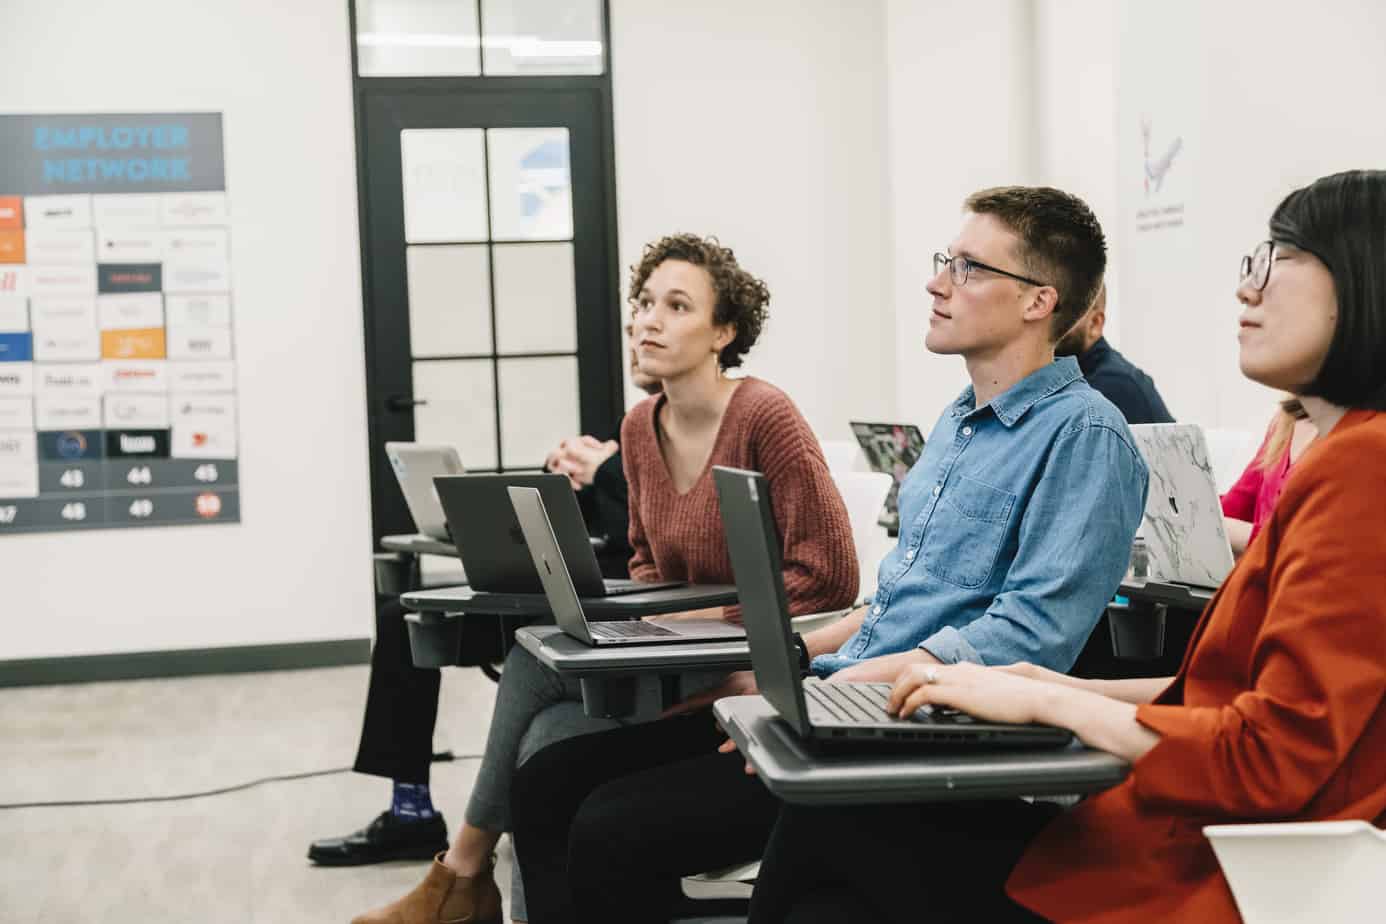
(1118,379)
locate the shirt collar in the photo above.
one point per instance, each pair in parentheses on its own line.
(1011,404)
(1093,356)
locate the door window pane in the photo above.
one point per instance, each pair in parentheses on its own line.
(444,184)
(539,407)
(417,38)
(461,408)
(531,188)
(542,36)
(535,298)
(449,300)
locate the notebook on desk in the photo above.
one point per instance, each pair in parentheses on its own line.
(829,714)
(415,466)
(1182,524)
(492,545)
(563,598)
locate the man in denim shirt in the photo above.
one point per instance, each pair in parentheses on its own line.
(1016,523)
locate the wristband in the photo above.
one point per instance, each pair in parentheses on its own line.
(804,658)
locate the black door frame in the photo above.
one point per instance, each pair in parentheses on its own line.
(601,371)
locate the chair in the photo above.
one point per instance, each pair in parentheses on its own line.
(864,493)
(1303,871)
(844,455)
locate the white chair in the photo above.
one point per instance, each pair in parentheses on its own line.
(844,455)
(1303,871)
(864,493)
(1229,451)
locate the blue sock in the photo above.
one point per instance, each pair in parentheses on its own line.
(412,802)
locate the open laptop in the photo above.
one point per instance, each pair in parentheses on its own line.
(1182,524)
(492,545)
(567,608)
(416,465)
(893,449)
(823,712)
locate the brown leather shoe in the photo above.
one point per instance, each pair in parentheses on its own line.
(443,898)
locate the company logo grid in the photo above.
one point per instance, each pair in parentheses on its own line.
(117,366)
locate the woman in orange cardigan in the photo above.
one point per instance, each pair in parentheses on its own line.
(1278,712)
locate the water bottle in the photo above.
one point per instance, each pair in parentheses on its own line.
(1139,569)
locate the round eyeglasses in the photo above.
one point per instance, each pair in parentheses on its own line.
(960,267)
(1256,268)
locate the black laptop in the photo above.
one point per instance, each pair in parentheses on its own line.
(492,546)
(824,713)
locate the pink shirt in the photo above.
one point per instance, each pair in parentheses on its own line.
(1254,495)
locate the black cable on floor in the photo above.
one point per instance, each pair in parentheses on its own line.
(441,757)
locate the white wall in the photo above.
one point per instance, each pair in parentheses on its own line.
(764,123)
(960,118)
(296,568)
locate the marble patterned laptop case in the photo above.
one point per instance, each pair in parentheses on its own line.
(1182,525)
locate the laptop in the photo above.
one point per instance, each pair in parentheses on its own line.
(824,713)
(567,608)
(1182,525)
(416,465)
(893,449)
(492,545)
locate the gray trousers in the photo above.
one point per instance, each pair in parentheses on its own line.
(534,708)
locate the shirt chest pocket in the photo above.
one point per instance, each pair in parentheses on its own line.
(966,530)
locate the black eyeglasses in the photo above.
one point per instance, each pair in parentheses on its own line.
(1256,268)
(960,267)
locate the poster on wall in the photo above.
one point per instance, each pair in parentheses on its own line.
(117,360)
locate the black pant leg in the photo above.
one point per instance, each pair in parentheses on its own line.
(635,837)
(551,786)
(937,862)
(401,705)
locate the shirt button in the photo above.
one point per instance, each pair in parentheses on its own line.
(909,556)
(967,431)
(876,610)
(938,489)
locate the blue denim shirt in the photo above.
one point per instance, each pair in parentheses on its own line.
(1015,529)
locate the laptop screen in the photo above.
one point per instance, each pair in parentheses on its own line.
(754,546)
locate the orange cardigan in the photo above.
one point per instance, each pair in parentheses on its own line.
(1278,712)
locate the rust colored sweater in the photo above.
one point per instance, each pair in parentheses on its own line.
(1277,714)
(678,537)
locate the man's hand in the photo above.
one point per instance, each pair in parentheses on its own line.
(884,669)
(740,683)
(579,457)
(728,746)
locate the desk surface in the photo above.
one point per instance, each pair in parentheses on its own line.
(465,600)
(1180,596)
(795,774)
(566,655)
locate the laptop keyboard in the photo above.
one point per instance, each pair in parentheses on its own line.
(616,586)
(865,703)
(634,629)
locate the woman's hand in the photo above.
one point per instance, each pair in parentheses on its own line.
(988,693)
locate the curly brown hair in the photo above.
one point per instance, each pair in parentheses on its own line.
(741,297)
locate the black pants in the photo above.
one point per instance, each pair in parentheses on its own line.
(606,824)
(401,705)
(934,862)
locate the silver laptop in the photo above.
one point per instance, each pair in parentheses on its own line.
(1182,525)
(567,607)
(829,714)
(416,465)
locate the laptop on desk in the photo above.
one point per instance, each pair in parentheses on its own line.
(892,449)
(563,599)
(825,713)
(415,466)
(1182,524)
(492,545)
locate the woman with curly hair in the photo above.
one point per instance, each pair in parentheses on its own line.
(695,314)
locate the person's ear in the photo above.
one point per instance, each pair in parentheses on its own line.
(726,333)
(1042,303)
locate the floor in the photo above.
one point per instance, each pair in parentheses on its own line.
(237,857)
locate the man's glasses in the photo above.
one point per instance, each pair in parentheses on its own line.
(1256,268)
(959,268)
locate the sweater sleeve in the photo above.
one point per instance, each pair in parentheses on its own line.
(818,556)
(642,566)
(1318,664)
